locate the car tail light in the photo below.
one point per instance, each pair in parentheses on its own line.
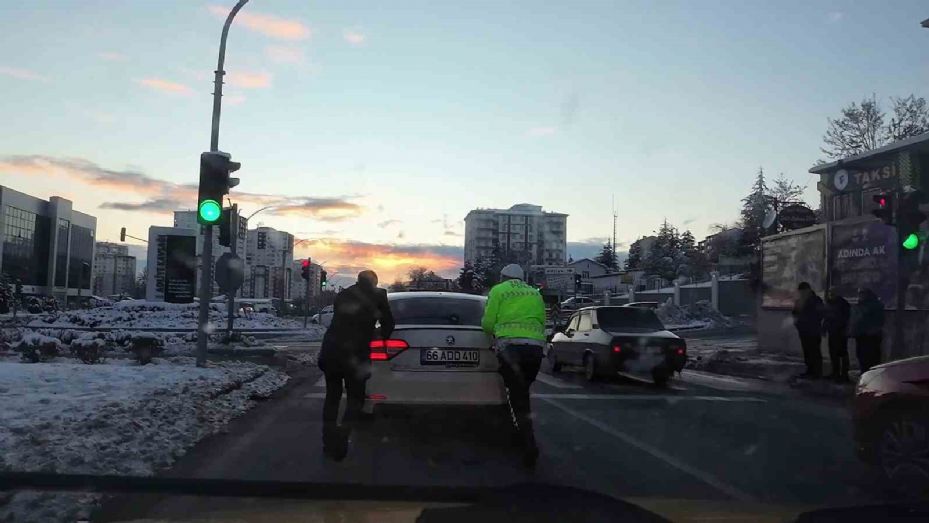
(377,396)
(617,348)
(383,350)
(679,348)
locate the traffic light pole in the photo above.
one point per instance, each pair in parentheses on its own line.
(206,267)
(230,295)
(306,303)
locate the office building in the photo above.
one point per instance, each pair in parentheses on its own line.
(47,246)
(523,234)
(114,270)
(269,264)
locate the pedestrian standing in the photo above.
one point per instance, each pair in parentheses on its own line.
(345,356)
(808,318)
(515,316)
(867,326)
(835,326)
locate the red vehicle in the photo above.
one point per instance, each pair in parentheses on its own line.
(891,418)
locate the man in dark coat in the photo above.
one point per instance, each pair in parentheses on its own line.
(835,325)
(867,326)
(345,356)
(808,318)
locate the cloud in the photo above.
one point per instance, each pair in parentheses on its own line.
(281,54)
(140,185)
(21,74)
(166,86)
(542,131)
(249,80)
(268,25)
(354,37)
(348,257)
(233,99)
(157,205)
(688,221)
(112,56)
(449,232)
(835,17)
(387,223)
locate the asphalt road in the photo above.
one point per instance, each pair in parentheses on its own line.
(707,439)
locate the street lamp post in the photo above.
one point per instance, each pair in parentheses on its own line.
(206,271)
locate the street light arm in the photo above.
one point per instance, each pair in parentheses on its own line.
(218,79)
(265,208)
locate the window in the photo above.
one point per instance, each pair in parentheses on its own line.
(61,253)
(262,240)
(572,326)
(585,323)
(437,311)
(625,318)
(82,247)
(25,246)
(846,205)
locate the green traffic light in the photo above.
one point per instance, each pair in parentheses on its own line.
(911,242)
(210,211)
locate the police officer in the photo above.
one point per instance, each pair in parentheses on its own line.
(515,316)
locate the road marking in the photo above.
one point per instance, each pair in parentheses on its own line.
(705,477)
(717,381)
(321,382)
(612,397)
(555,382)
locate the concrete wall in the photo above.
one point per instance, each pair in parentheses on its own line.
(693,294)
(736,298)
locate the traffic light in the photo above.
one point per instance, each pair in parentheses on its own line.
(322,279)
(305,269)
(225,228)
(122,234)
(910,219)
(577,280)
(215,183)
(884,207)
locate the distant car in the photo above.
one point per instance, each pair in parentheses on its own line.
(608,340)
(437,355)
(890,413)
(324,316)
(643,304)
(577,302)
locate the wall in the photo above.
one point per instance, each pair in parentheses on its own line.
(736,298)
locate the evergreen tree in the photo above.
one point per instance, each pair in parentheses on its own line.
(607,257)
(634,259)
(754,208)
(665,257)
(466,277)
(6,294)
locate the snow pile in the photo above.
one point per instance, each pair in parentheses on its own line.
(117,418)
(160,315)
(696,315)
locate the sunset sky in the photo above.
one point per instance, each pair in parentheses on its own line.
(373,127)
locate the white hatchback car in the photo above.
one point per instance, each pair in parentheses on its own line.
(437,354)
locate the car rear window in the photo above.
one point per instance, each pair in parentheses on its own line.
(617,318)
(437,311)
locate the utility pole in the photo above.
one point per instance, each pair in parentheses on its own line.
(206,271)
(230,296)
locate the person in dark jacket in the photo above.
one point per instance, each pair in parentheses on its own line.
(835,325)
(808,318)
(345,356)
(867,326)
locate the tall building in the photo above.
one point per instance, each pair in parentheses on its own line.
(114,270)
(522,234)
(188,220)
(269,263)
(47,246)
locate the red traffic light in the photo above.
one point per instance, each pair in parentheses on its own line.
(881,200)
(306,263)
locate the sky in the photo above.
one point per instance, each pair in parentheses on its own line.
(372,128)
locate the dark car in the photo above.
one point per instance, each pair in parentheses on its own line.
(891,420)
(608,340)
(643,304)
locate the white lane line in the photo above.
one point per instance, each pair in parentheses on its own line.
(321,382)
(555,382)
(717,381)
(705,477)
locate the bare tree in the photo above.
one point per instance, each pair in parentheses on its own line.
(910,118)
(785,190)
(859,129)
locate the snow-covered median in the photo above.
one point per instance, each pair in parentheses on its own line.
(116,418)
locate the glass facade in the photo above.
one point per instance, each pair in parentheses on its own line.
(25,246)
(61,253)
(82,251)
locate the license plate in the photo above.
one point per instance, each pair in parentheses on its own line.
(450,357)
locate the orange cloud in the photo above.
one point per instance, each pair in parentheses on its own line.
(347,258)
(21,74)
(166,86)
(249,80)
(268,25)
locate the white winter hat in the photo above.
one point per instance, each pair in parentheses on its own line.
(512,271)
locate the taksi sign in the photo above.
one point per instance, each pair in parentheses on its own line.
(880,177)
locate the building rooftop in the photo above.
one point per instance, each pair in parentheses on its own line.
(920,142)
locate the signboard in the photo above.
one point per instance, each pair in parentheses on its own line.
(552,279)
(788,260)
(180,269)
(885,176)
(796,216)
(864,255)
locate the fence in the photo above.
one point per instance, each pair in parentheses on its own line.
(730,296)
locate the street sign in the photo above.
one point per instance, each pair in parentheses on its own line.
(230,272)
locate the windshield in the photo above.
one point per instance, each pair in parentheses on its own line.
(619,318)
(660,251)
(437,311)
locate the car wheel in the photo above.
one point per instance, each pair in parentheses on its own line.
(553,359)
(590,367)
(661,375)
(903,452)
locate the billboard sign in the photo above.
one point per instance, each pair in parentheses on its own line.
(180,283)
(788,260)
(864,255)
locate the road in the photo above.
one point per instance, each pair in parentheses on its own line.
(708,439)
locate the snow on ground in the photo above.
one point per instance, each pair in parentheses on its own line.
(697,315)
(114,418)
(155,315)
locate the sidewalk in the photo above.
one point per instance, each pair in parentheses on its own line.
(738,354)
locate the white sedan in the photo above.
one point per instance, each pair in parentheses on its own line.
(324,316)
(437,354)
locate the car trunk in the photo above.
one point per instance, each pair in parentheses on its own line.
(443,348)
